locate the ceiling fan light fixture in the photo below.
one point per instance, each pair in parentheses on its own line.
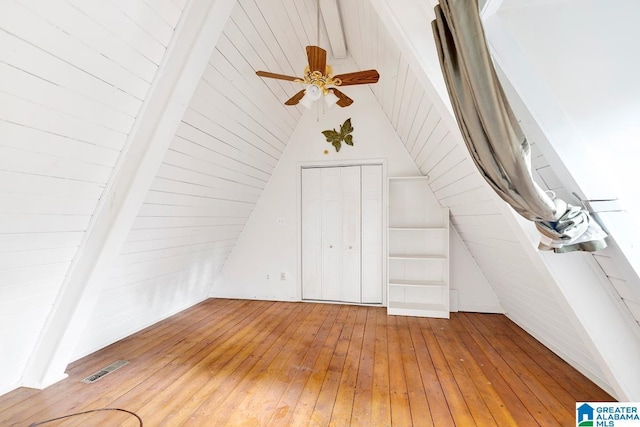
(314,92)
(330,98)
(306,101)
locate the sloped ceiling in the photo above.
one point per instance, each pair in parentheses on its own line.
(525,293)
(73,79)
(221,157)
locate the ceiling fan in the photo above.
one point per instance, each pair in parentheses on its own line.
(319,80)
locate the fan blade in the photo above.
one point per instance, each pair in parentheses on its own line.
(295,98)
(358,78)
(276,76)
(317,59)
(343,100)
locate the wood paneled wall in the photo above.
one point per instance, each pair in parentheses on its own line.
(73,76)
(525,293)
(221,158)
(606,259)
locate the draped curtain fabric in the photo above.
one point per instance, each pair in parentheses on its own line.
(493,136)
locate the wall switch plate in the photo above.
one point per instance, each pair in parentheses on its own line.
(283,276)
(280,220)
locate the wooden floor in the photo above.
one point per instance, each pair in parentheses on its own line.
(253,363)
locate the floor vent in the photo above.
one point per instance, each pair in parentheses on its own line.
(105,371)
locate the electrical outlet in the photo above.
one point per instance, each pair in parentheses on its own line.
(283,276)
(281,220)
(268,276)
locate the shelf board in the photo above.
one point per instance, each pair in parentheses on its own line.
(417,283)
(417,309)
(417,229)
(424,257)
(408,178)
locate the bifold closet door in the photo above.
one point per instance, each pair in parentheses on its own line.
(311,228)
(372,229)
(341,234)
(338,235)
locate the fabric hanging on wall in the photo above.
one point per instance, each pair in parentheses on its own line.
(493,136)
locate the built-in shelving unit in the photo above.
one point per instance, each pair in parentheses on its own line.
(418,251)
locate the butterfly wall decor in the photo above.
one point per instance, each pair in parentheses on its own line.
(336,138)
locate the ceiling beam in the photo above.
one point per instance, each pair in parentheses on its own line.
(333,25)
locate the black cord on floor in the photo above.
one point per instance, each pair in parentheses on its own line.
(86,412)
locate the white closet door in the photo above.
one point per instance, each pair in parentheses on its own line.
(342,234)
(311,233)
(350,244)
(331,234)
(372,283)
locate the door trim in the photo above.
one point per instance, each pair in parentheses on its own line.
(326,164)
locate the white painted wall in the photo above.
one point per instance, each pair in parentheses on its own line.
(474,292)
(585,51)
(573,65)
(566,69)
(267,248)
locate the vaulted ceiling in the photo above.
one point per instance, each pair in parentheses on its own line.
(139,150)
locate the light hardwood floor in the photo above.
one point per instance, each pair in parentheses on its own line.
(252,363)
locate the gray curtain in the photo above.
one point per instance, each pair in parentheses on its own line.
(493,136)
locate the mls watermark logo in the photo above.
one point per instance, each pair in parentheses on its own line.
(607,414)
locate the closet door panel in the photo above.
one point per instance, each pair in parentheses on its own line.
(331,234)
(372,281)
(311,233)
(341,228)
(351,217)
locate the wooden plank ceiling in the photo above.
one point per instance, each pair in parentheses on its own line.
(221,158)
(74,76)
(230,140)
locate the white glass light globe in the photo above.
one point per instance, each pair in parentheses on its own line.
(306,101)
(313,92)
(330,98)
